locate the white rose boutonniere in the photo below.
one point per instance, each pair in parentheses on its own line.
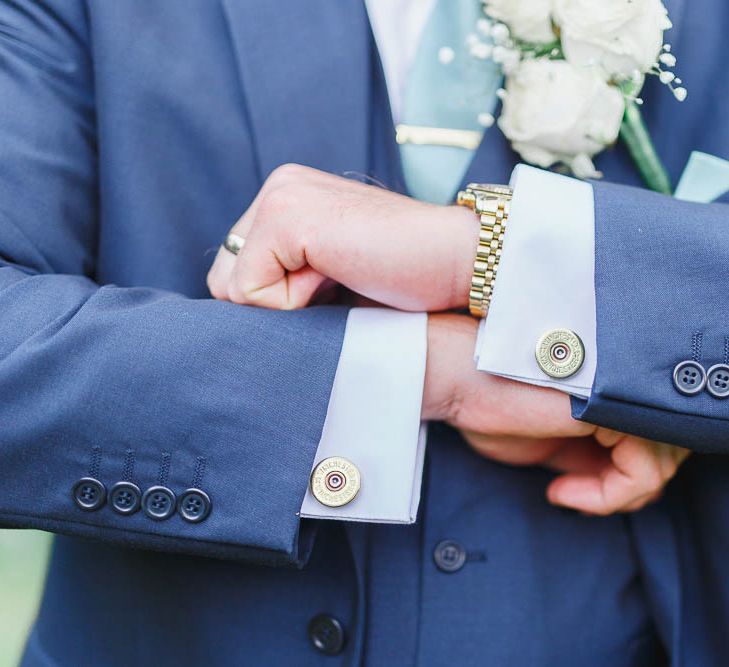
(528,21)
(620,36)
(555,112)
(574,70)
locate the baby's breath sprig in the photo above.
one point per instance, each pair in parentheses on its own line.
(633,130)
(662,69)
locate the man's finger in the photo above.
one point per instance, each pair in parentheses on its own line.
(638,470)
(219,275)
(222,269)
(580,456)
(291,291)
(518,451)
(643,502)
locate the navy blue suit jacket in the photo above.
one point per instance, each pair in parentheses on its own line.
(133,133)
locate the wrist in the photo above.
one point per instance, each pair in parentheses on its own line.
(435,393)
(462,229)
(451,340)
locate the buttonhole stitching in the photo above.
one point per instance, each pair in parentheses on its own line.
(697,342)
(164,469)
(95,465)
(197,476)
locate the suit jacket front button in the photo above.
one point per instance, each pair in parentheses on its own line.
(326,634)
(689,378)
(449,556)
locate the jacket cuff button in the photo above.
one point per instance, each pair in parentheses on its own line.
(158,503)
(89,494)
(125,498)
(689,377)
(717,381)
(194,505)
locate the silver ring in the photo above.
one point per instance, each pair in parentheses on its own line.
(233,243)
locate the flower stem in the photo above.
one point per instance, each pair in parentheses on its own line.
(635,135)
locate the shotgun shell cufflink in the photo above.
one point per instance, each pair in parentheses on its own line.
(335,481)
(560,353)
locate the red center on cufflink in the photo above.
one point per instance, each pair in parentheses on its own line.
(335,480)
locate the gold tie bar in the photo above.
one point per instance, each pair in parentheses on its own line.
(437,136)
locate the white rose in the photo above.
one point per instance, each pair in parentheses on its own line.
(555,112)
(619,35)
(528,20)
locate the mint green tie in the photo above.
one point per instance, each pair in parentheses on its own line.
(444,95)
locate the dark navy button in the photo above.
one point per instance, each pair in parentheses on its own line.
(689,377)
(158,503)
(125,497)
(194,505)
(449,556)
(89,494)
(717,381)
(326,634)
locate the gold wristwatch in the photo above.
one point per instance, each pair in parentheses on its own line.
(491,203)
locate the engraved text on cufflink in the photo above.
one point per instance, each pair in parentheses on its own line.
(335,481)
(560,353)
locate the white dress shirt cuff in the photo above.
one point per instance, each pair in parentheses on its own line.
(546,280)
(373,418)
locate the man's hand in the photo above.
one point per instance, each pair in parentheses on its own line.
(307,228)
(519,424)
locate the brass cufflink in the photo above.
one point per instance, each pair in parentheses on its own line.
(560,353)
(335,481)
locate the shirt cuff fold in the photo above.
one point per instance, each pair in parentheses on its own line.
(546,280)
(373,418)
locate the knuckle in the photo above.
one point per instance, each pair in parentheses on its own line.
(216,292)
(238,225)
(654,478)
(276,202)
(214,285)
(237,293)
(285,174)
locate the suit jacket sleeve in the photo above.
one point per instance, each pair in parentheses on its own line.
(133,384)
(662,297)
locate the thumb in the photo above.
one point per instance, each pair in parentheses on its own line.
(291,291)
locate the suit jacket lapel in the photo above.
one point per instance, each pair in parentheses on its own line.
(305,71)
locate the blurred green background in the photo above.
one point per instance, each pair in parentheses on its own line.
(23,558)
